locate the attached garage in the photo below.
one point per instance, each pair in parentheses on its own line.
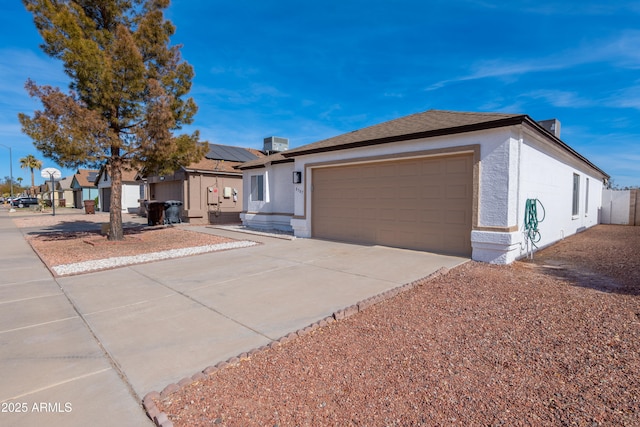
(418,203)
(458,183)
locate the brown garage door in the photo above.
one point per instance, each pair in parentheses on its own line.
(423,204)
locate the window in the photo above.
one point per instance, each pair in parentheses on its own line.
(257,188)
(586,197)
(576,194)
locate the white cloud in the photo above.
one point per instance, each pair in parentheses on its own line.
(620,51)
(250,94)
(559,98)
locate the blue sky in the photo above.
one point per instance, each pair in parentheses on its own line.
(312,70)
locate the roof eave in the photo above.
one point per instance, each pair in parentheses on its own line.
(536,126)
(493,124)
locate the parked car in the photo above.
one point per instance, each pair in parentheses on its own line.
(22,202)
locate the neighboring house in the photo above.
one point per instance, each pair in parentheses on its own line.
(210,190)
(84,187)
(442,181)
(132,190)
(63,193)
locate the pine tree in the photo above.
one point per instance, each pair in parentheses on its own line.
(126,95)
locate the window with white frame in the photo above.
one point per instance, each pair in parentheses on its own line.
(257,188)
(576,194)
(586,197)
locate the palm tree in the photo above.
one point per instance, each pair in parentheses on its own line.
(32,163)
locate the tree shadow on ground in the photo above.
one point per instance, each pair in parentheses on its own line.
(585,277)
(68,230)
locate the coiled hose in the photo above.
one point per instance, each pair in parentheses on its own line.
(531,232)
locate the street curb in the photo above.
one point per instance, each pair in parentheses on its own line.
(161,419)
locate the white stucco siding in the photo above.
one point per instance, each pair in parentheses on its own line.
(130,198)
(277,207)
(549,176)
(546,173)
(498,176)
(514,164)
(131,194)
(282,188)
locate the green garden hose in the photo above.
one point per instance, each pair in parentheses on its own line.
(531,220)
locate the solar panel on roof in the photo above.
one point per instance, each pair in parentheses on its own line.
(91,176)
(229,153)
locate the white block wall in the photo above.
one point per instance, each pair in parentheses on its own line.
(615,206)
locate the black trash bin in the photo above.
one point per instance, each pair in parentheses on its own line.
(155,213)
(172,210)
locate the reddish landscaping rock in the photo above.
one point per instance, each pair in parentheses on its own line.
(550,342)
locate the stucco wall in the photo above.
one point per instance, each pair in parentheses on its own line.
(544,173)
(276,210)
(130,195)
(514,164)
(204,204)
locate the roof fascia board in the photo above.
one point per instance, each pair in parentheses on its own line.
(263,165)
(537,127)
(287,160)
(211,172)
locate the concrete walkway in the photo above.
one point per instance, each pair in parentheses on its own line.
(87,348)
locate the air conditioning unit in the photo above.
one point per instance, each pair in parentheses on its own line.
(275,144)
(551,125)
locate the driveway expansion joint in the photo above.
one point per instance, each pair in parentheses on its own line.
(161,419)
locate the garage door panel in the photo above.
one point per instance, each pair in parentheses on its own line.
(456,217)
(420,204)
(431,216)
(457,192)
(431,169)
(457,166)
(430,191)
(387,214)
(410,169)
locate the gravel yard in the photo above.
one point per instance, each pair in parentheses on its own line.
(66,251)
(553,341)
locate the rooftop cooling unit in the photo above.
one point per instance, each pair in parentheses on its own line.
(275,144)
(552,125)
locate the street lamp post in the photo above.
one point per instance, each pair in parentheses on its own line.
(10,170)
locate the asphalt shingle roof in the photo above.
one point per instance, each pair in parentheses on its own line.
(428,123)
(432,121)
(86,177)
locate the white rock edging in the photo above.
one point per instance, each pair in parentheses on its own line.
(100,264)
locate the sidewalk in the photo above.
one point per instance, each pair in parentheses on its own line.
(54,371)
(103,340)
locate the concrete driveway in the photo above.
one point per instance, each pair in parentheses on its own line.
(87,348)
